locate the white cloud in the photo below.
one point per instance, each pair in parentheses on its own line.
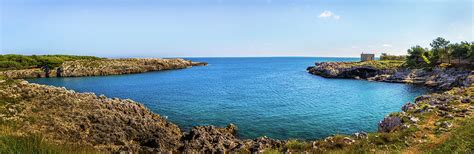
(387,45)
(328,15)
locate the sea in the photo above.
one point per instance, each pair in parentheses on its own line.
(264,96)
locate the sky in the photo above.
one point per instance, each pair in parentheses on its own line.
(229,28)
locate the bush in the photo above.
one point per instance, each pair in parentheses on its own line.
(10,65)
(297,145)
(12,61)
(385,56)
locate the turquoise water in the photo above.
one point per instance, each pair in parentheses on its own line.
(274,97)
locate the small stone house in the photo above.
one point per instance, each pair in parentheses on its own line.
(367,57)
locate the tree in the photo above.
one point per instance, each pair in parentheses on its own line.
(450,50)
(471,53)
(460,50)
(428,57)
(415,55)
(440,48)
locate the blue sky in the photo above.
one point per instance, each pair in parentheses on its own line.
(220,28)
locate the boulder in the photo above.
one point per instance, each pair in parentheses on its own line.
(408,106)
(389,124)
(361,135)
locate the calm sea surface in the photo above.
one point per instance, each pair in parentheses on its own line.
(274,97)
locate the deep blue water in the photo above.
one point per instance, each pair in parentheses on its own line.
(274,97)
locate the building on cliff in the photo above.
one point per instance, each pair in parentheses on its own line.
(367,57)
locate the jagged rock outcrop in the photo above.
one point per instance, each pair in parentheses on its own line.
(344,70)
(389,124)
(437,78)
(213,139)
(65,116)
(104,67)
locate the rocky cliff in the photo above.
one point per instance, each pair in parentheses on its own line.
(103,67)
(438,78)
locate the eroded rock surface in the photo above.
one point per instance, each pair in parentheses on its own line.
(389,124)
(438,78)
(104,67)
(65,116)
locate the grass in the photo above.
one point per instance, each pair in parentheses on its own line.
(461,139)
(36,144)
(297,145)
(13,142)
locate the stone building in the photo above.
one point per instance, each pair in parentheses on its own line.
(367,57)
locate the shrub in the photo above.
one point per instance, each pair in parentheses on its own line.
(10,65)
(297,145)
(12,61)
(386,56)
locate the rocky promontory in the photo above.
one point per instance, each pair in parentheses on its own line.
(101,67)
(437,77)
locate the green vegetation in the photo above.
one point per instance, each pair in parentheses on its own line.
(441,51)
(14,62)
(461,139)
(297,145)
(35,144)
(13,142)
(420,137)
(381,64)
(385,56)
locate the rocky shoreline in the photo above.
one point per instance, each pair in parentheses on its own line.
(63,116)
(437,78)
(103,67)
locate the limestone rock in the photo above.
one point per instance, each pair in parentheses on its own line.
(389,124)
(104,67)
